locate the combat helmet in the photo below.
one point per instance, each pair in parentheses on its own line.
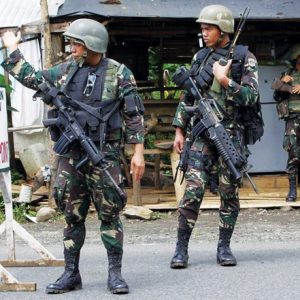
(218,15)
(90,32)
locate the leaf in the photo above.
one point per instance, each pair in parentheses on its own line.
(8,87)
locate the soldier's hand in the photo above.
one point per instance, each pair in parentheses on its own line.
(296,89)
(137,165)
(179,140)
(219,71)
(11,40)
(287,78)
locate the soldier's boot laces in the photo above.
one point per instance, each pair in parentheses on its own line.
(292,195)
(70,280)
(224,254)
(115,283)
(180,258)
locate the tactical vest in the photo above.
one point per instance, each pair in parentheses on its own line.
(202,71)
(104,98)
(202,66)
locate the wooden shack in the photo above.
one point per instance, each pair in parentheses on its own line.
(168,28)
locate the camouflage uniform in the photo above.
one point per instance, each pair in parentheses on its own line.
(75,189)
(288,108)
(203,155)
(291,141)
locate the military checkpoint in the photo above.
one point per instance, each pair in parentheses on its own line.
(149,149)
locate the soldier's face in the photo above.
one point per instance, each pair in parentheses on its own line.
(211,34)
(77,49)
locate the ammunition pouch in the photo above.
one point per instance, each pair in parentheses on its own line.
(134,105)
(205,76)
(89,123)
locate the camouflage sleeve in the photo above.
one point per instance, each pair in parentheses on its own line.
(181,116)
(246,93)
(21,70)
(133,124)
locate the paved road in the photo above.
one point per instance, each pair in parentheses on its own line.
(266,270)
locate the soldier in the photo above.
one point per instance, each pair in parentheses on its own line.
(94,79)
(232,86)
(287,95)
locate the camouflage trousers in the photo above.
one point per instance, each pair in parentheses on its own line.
(291,143)
(203,159)
(75,189)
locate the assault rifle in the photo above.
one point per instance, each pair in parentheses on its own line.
(223,61)
(72,131)
(210,124)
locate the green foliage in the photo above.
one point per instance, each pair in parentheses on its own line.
(19,213)
(8,87)
(154,61)
(168,69)
(150,140)
(15,176)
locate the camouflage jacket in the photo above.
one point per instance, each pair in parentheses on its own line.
(119,82)
(243,93)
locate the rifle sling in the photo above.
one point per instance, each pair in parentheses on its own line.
(94,112)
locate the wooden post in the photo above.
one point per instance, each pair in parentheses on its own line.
(136,192)
(157,183)
(46,32)
(48,55)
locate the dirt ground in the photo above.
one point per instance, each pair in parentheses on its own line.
(253,225)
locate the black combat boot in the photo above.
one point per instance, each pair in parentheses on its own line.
(70,280)
(180,258)
(214,183)
(224,254)
(292,195)
(115,283)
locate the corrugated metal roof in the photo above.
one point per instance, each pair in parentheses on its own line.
(19,12)
(266,9)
